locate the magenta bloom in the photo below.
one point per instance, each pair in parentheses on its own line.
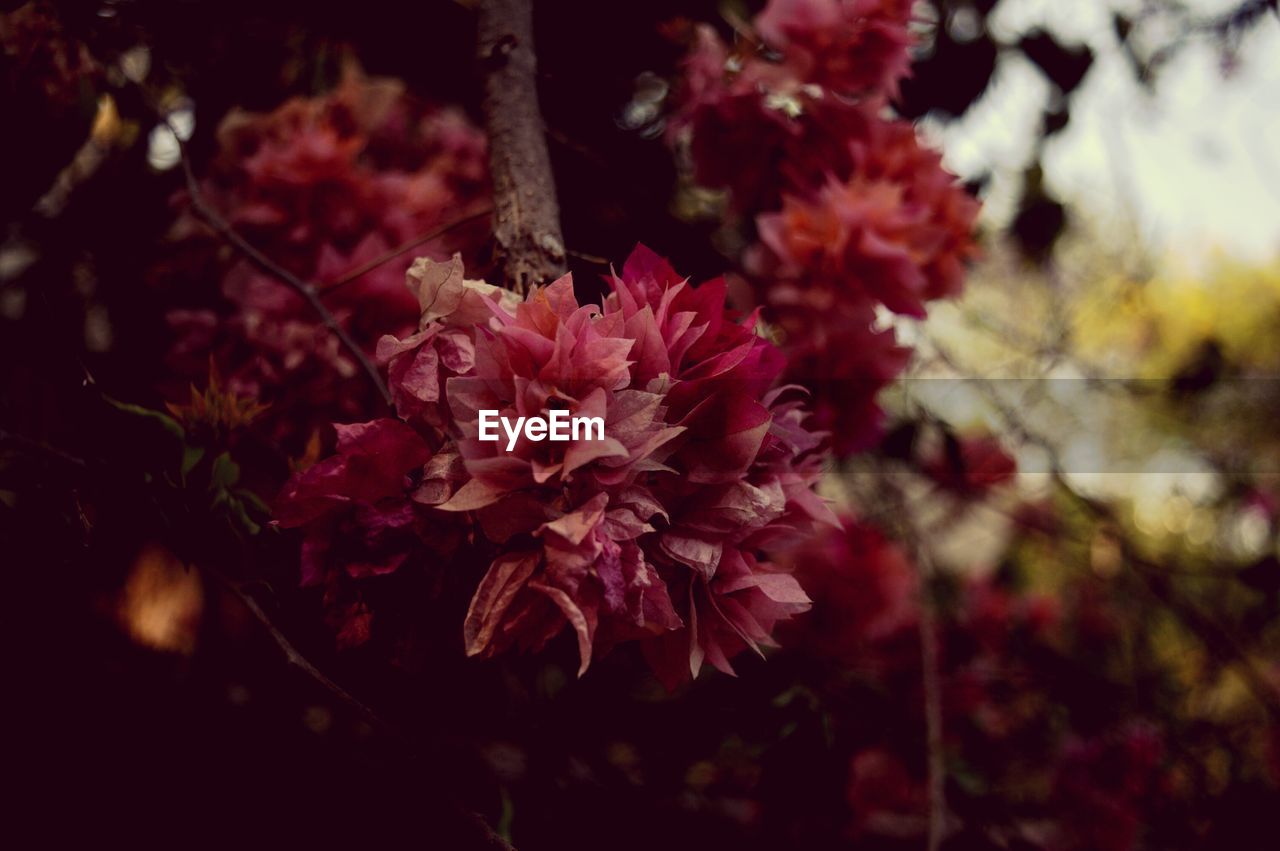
(759,128)
(866,591)
(655,533)
(359,521)
(323,186)
(849,46)
(898,232)
(850,211)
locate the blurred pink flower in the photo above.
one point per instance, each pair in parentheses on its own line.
(848,46)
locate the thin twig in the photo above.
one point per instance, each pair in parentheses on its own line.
(899,522)
(295,658)
(741,28)
(930,665)
(588,258)
(41,447)
(928,626)
(404,248)
(930,674)
(309,293)
(485,833)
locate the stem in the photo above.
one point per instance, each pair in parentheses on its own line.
(479,829)
(399,250)
(41,447)
(295,658)
(932,704)
(530,246)
(308,292)
(909,537)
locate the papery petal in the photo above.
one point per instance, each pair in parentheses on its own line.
(506,577)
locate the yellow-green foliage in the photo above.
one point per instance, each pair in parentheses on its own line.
(1159,326)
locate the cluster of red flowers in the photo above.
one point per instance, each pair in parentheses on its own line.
(990,643)
(323,186)
(652,534)
(850,212)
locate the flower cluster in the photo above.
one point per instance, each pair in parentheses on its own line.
(323,186)
(867,592)
(865,620)
(851,214)
(846,46)
(362,523)
(655,533)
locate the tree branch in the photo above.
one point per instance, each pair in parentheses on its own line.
(530,246)
(932,681)
(484,835)
(41,447)
(930,673)
(294,657)
(308,292)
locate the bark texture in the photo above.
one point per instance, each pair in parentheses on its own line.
(530,246)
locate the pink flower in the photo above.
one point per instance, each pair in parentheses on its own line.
(370,466)
(323,186)
(757,128)
(849,46)
(844,362)
(449,308)
(973,466)
(359,520)
(1103,785)
(883,794)
(654,533)
(850,211)
(899,232)
(865,587)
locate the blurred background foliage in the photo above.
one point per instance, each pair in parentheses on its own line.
(1079,467)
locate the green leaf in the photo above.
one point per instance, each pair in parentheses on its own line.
(156,440)
(241,516)
(166,422)
(191,456)
(225,473)
(507,816)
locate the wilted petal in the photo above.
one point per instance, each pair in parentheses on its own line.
(504,580)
